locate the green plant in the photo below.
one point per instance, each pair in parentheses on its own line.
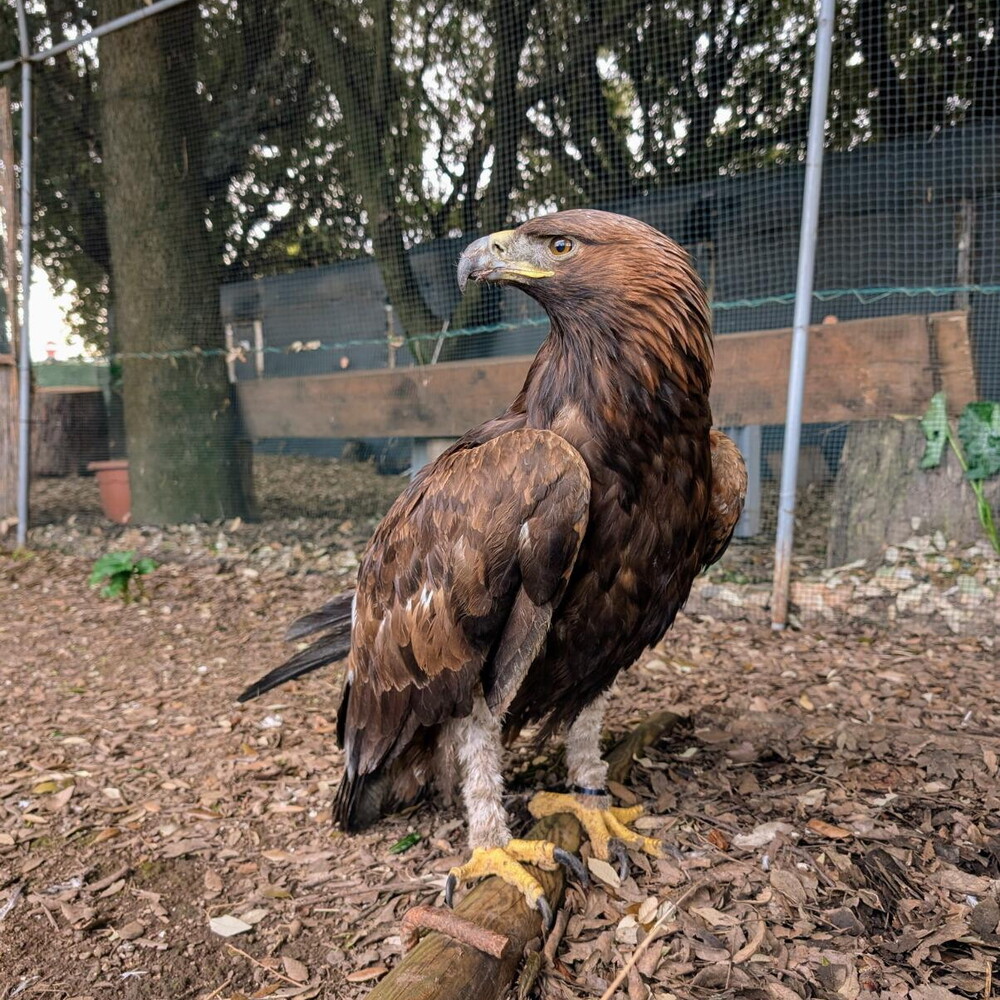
(976,446)
(117,571)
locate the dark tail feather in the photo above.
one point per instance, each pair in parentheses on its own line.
(333,613)
(334,619)
(363,799)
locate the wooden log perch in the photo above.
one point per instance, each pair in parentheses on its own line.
(442,968)
(622,755)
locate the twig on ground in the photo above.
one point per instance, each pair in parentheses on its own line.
(668,913)
(218,989)
(12,901)
(555,937)
(103,883)
(261,965)
(529,971)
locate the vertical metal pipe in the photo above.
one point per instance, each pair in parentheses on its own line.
(803,308)
(24,376)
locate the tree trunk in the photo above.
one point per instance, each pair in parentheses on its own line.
(179,416)
(354,52)
(882,496)
(890,111)
(480,305)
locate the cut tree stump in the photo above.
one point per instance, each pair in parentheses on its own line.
(882,497)
(69,428)
(441,968)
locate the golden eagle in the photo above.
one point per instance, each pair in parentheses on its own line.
(543,552)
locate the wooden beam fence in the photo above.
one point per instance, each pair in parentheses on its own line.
(858,370)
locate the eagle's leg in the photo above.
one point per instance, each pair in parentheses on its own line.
(494,852)
(606,825)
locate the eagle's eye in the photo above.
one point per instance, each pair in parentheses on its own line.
(560,245)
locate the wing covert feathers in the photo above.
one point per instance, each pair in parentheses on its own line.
(456,589)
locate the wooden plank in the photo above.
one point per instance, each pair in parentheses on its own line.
(431,401)
(859,370)
(951,355)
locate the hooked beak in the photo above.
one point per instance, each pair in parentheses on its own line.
(489,259)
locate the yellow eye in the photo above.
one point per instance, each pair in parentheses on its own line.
(560,245)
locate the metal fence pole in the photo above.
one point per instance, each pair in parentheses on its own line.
(803,309)
(24,401)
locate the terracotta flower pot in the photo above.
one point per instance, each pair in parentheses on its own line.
(112,481)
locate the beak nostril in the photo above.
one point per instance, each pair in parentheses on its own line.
(497,248)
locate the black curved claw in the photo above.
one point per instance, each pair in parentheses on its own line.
(546,911)
(620,853)
(574,864)
(449,890)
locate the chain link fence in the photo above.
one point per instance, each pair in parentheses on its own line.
(255,209)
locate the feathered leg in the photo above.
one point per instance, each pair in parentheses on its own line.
(494,852)
(605,824)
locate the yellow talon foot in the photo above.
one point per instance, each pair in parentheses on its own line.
(507,863)
(603,826)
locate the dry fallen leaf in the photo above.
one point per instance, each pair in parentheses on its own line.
(762,835)
(788,885)
(647,910)
(113,889)
(61,799)
(228,926)
(718,839)
(294,969)
(603,871)
(132,930)
(750,948)
(825,829)
(363,975)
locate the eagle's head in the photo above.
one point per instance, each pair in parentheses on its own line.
(601,275)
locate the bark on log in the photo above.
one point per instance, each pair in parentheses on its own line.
(8,437)
(882,496)
(440,968)
(69,429)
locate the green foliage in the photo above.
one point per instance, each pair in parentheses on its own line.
(935,427)
(977,448)
(117,571)
(979,432)
(405,843)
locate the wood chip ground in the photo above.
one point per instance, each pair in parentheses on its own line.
(831,809)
